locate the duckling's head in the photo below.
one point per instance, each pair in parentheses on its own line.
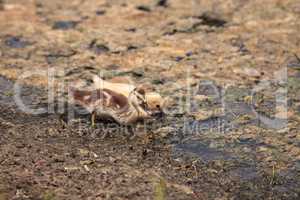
(155,103)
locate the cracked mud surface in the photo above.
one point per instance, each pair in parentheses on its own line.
(218,146)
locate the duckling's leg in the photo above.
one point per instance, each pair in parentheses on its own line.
(132,131)
(93,116)
(138,130)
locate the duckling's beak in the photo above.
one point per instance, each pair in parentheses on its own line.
(157,112)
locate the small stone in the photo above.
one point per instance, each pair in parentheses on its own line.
(112,159)
(98,48)
(179,58)
(247,71)
(202,97)
(138,72)
(243,119)
(86,162)
(71,168)
(157,81)
(64,25)
(283,130)
(220,60)
(100,12)
(143,8)
(162,3)
(204,115)
(131,30)
(291,135)
(86,168)
(248,99)
(83,152)
(131,47)
(16,42)
(188,54)
(212,21)
(52,132)
(101,48)
(262,149)
(165,131)
(245,137)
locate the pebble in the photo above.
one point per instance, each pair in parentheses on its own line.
(143,8)
(64,25)
(100,12)
(165,131)
(162,3)
(98,48)
(86,168)
(16,42)
(201,97)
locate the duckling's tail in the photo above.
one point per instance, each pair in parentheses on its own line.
(83,98)
(98,82)
(77,95)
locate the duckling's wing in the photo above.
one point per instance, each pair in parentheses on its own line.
(120,88)
(101,99)
(115,100)
(87,99)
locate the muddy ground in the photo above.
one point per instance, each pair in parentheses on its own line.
(224,68)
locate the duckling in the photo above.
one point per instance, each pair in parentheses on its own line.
(108,103)
(154,100)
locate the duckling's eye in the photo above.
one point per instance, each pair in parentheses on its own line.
(157,106)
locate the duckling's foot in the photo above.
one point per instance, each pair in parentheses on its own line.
(131,131)
(138,130)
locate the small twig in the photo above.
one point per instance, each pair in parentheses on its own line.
(3,160)
(273,176)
